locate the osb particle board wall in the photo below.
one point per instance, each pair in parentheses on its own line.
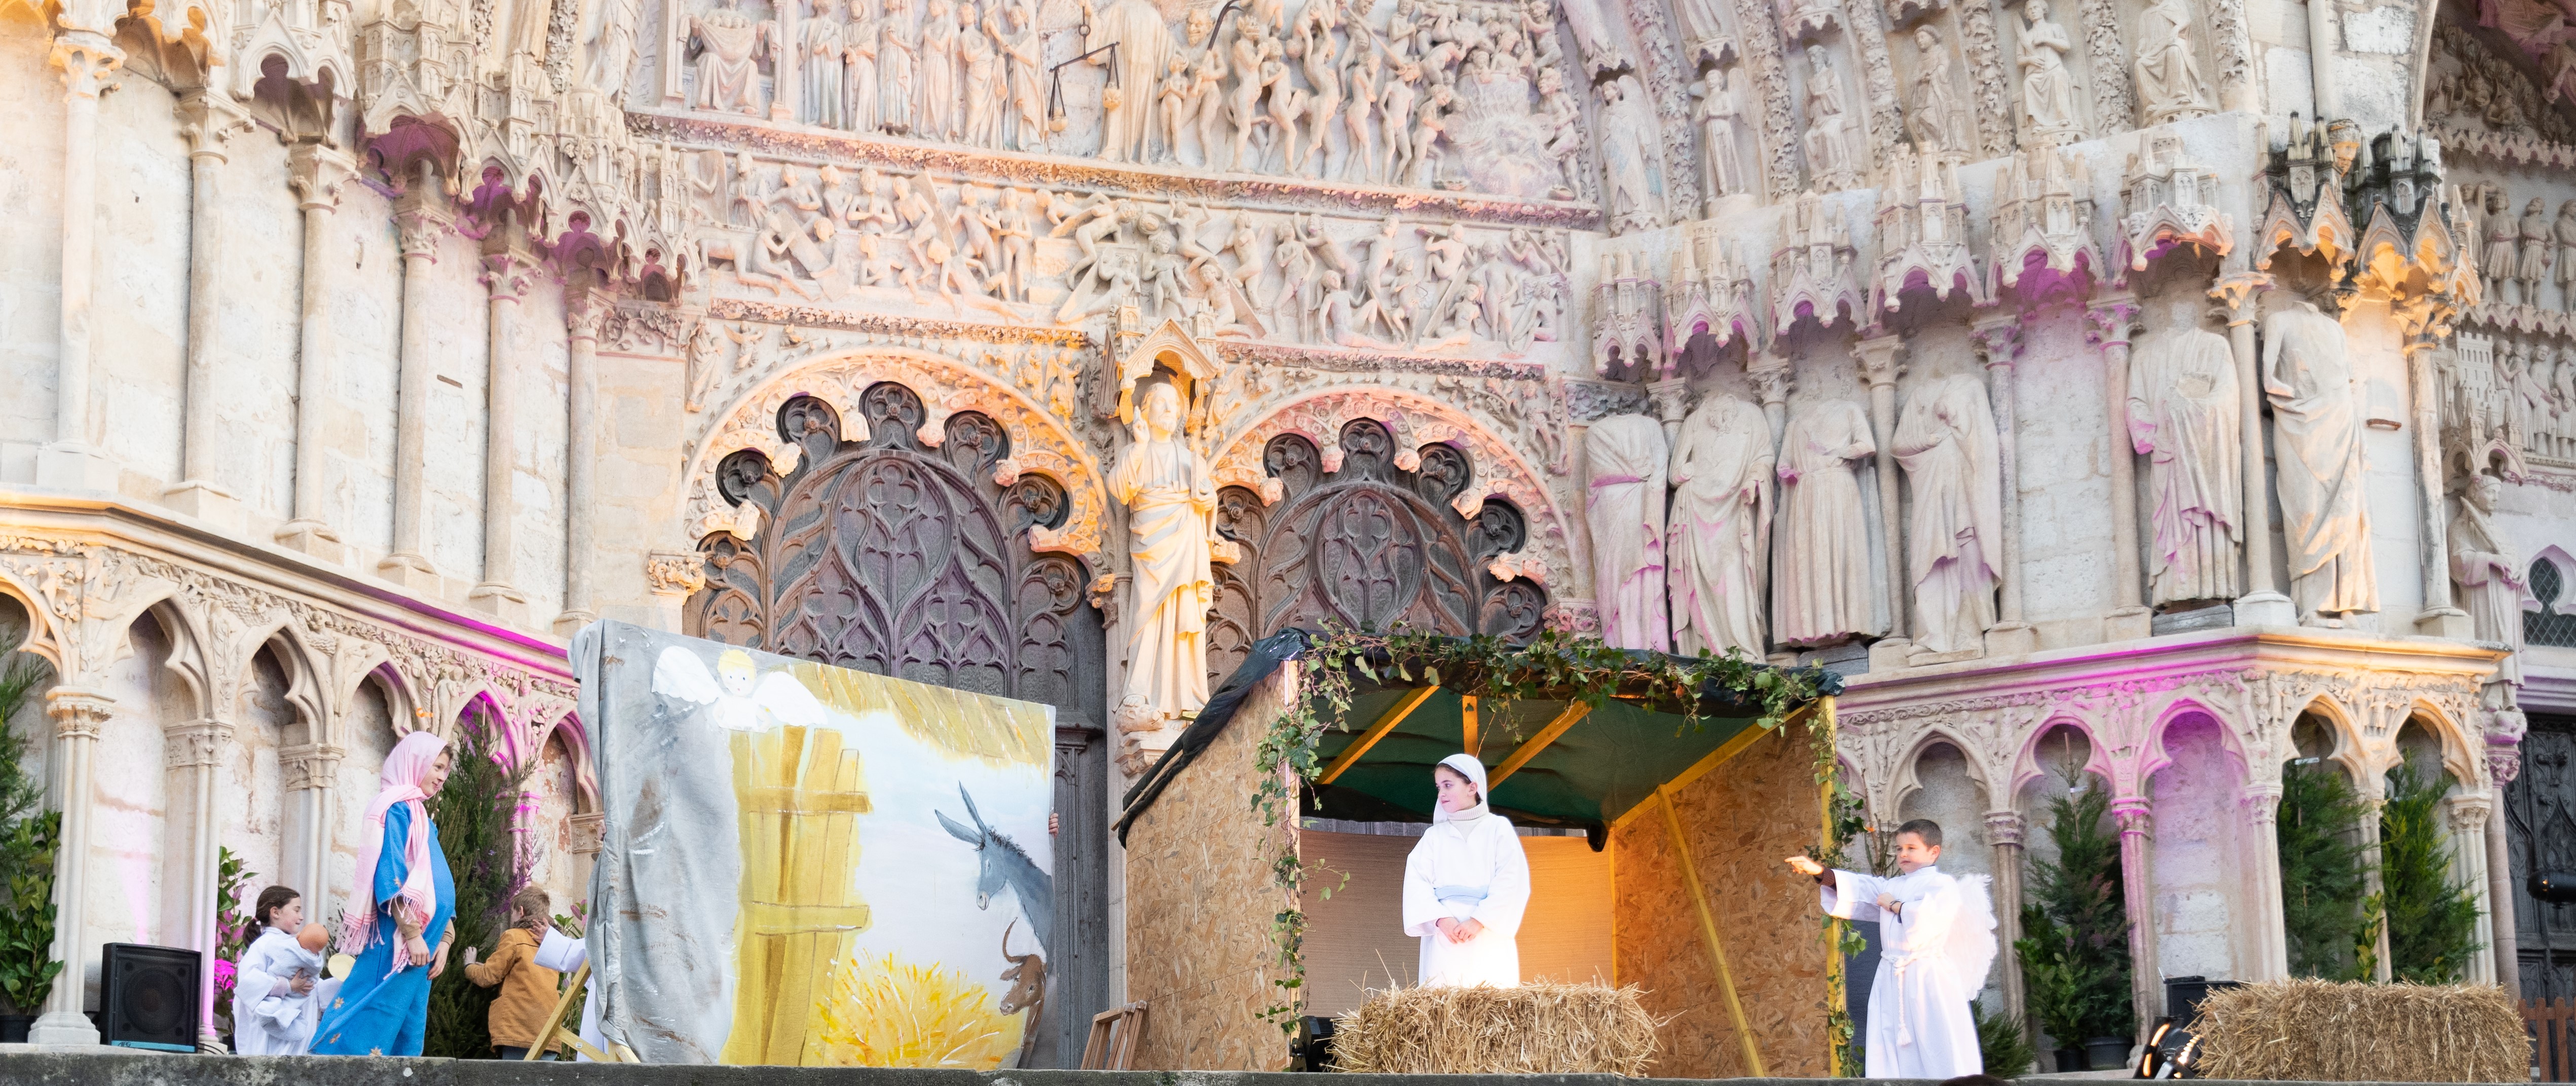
(1200,905)
(1355,939)
(1740,820)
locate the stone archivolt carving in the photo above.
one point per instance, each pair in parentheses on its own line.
(1811,272)
(1040,443)
(2171,203)
(1923,234)
(1715,298)
(2043,228)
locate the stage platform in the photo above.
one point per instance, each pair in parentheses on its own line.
(22,1065)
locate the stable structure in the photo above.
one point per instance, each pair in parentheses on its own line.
(1655,842)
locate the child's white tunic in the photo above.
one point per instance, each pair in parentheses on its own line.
(269,1019)
(1470,870)
(1929,968)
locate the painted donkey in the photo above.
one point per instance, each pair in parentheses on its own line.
(1005,864)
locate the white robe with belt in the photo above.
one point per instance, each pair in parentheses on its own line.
(269,1019)
(1474,854)
(1932,961)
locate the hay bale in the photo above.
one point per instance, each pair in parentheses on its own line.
(2320,1031)
(1547,1029)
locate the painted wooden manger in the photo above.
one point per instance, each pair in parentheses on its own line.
(1659,865)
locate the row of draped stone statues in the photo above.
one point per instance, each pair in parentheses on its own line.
(1713,534)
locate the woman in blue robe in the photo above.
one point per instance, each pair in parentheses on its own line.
(400,907)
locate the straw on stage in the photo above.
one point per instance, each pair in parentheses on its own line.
(2321,1031)
(1556,1029)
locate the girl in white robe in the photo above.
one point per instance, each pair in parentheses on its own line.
(274,1004)
(1466,885)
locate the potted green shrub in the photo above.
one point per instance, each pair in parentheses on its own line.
(2074,951)
(28,839)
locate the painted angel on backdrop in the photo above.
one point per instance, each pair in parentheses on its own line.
(737,695)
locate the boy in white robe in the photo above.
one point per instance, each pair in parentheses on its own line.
(1466,884)
(1936,941)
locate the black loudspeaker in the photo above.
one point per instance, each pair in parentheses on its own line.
(1312,1050)
(148,997)
(2183,996)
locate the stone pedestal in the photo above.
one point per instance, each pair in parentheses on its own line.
(206,502)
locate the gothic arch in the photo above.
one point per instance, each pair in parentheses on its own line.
(2026,760)
(1039,443)
(2153,759)
(1907,782)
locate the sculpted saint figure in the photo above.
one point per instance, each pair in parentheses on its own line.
(2183,414)
(934,113)
(1722,172)
(859,51)
(1633,197)
(1625,512)
(2534,268)
(985,96)
(1170,495)
(2489,574)
(2497,261)
(1719,532)
(1820,588)
(2316,439)
(1021,48)
(728,77)
(612,53)
(898,56)
(824,45)
(2169,83)
(1144,43)
(1940,121)
(2047,88)
(1828,142)
(1946,443)
(2566,235)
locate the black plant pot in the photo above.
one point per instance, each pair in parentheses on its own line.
(2071,1060)
(13,1028)
(2109,1053)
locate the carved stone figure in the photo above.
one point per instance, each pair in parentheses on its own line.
(1169,494)
(2500,258)
(985,94)
(612,53)
(2533,269)
(934,108)
(898,58)
(1632,158)
(1020,48)
(728,76)
(1718,533)
(859,53)
(2490,575)
(1947,444)
(2566,237)
(1144,43)
(2047,88)
(2316,438)
(1721,172)
(1820,581)
(1625,511)
(2183,415)
(821,66)
(1941,122)
(2169,82)
(1829,154)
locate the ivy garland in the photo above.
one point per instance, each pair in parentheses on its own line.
(1554,666)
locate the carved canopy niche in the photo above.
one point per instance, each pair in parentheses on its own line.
(1358,540)
(894,554)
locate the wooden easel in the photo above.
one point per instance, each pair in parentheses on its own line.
(1112,1046)
(554,1032)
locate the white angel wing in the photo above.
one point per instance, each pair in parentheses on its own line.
(678,673)
(784,701)
(1972,932)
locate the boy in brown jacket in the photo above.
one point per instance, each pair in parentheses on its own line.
(527,989)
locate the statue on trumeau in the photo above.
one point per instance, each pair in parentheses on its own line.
(1624,509)
(1170,495)
(2316,441)
(2183,416)
(1718,531)
(1947,443)
(2168,70)
(1820,580)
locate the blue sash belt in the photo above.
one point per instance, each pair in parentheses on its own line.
(1450,895)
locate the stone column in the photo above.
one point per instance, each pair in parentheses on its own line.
(1771,382)
(422,215)
(207,120)
(2507,945)
(1672,405)
(2323,44)
(74,461)
(309,774)
(672,577)
(584,311)
(190,753)
(316,174)
(2267,940)
(1998,341)
(2113,320)
(2262,604)
(2004,834)
(2136,816)
(2441,617)
(2469,868)
(77,713)
(506,272)
(1878,367)
(2374,789)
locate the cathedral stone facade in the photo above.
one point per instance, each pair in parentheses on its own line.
(2151,392)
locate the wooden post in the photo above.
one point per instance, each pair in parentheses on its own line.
(1835,982)
(1708,932)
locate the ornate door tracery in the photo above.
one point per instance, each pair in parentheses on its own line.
(2540,828)
(1368,544)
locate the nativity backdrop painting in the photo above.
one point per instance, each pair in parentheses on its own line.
(811,865)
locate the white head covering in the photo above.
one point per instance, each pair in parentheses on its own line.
(1469,767)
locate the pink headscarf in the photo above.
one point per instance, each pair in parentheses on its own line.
(405,769)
